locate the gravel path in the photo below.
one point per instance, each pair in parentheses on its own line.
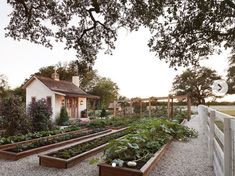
(186,159)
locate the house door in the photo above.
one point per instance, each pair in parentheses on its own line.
(72,107)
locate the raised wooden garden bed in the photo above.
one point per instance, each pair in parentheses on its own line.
(48,161)
(8,155)
(12,145)
(113,128)
(108,170)
(51,161)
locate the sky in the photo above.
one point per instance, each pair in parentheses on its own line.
(137,71)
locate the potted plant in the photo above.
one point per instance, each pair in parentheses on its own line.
(84,113)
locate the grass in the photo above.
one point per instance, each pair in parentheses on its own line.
(220,125)
(94,161)
(229,112)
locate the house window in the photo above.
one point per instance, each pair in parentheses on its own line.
(33,99)
(49,102)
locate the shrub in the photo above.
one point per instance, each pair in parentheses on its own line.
(14,118)
(84,113)
(103,113)
(63,117)
(99,123)
(40,114)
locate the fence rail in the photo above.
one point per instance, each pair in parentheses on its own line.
(220,130)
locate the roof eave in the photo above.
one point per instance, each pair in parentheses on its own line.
(28,82)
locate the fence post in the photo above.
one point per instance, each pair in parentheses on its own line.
(211,136)
(227,148)
(201,112)
(203,115)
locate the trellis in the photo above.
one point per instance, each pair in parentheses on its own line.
(170,99)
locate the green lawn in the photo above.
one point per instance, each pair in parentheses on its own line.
(220,125)
(229,112)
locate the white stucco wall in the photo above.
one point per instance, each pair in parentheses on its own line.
(39,90)
(81,107)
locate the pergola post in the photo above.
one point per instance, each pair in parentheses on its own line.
(131,108)
(168,106)
(141,108)
(114,108)
(94,103)
(172,109)
(150,108)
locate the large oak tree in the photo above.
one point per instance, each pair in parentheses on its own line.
(183,31)
(196,83)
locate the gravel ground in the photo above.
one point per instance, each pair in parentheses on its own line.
(182,159)
(186,158)
(29,166)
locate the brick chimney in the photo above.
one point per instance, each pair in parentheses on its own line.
(76,80)
(55,76)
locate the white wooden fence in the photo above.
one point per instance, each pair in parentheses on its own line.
(221,142)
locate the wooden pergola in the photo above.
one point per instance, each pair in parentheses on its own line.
(170,99)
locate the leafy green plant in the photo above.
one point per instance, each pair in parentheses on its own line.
(145,139)
(13,116)
(86,146)
(103,113)
(99,123)
(52,140)
(63,117)
(29,136)
(40,114)
(94,161)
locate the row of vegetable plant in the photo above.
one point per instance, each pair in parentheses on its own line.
(119,122)
(86,146)
(30,136)
(145,139)
(48,141)
(98,123)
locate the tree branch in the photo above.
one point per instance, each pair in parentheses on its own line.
(95,22)
(96,6)
(230,3)
(25,6)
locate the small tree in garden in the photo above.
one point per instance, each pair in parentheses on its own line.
(64,117)
(40,114)
(14,118)
(103,113)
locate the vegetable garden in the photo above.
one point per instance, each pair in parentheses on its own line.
(131,145)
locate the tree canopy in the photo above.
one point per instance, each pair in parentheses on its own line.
(183,31)
(88,77)
(107,90)
(196,83)
(3,84)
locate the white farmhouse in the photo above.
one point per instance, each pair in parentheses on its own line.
(57,94)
